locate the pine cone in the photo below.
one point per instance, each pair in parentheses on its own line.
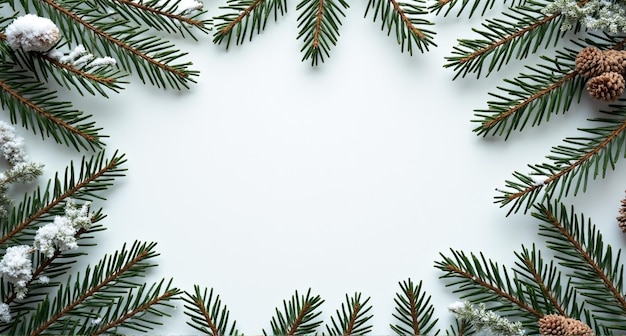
(557,325)
(607,87)
(590,62)
(621,219)
(614,60)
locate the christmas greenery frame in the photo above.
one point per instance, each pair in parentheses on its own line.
(98,46)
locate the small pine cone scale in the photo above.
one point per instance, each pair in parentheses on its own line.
(590,62)
(607,87)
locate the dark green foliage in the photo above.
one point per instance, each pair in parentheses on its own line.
(207,314)
(298,317)
(100,292)
(319,23)
(407,20)
(414,311)
(352,319)
(245,18)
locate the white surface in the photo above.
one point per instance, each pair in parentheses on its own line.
(269,176)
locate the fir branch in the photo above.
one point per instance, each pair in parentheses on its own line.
(473,5)
(298,316)
(92,79)
(246,18)
(35,106)
(319,27)
(570,165)
(596,270)
(461,328)
(482,281)
(150,57)
(112,274)
(352,319)
(131,311)
(96,174)
(413,310)
(207,314)
(503,40)
(160,15)
(405,18)
(543,283)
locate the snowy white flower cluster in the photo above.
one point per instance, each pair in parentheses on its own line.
(61,233)
(32,33)
(606,15)
(11,146)
(79,57)
(16,265)
(483,319)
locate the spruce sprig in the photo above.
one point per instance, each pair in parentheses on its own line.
(94,175)
(80,299)
(161,15)
(151,58)
(571,165)
(523,30)
(319,22)
(130,312)
(353,317)
(407,20)
(472,5)
(532,97)
(299,316)
(207,314)
(594,268)
(414,311)
(34,106)
(245,18)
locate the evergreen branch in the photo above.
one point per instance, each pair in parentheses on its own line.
(112,274)
(503,40)
(481,281)
(473,5)
(319,27)
(461,328)
(131,314)
(405,19)
(38,108)
(548,89)
(160,15)
(207,314)
(150,57)
(541,282)
(96,175)
(595,269)
(352,318)
(92,79)
(413,310)
(298,316)
(245,17)
(571,165)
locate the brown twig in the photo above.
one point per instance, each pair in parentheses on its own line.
(405,19)
(241,16)
(539,280)
(296,323)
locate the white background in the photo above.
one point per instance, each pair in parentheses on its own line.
(270,176)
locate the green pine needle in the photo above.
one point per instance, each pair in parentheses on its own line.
(298,317)
(245,18)
(319,24)
(523,30)
(414,311)
(406,19)
(207,314)
(352,318)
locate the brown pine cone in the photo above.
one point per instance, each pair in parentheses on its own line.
(557,325)
(607,87)
(614,60)
(590,62)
